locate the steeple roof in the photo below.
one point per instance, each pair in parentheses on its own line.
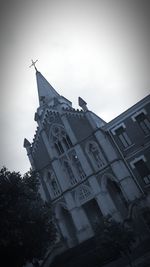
(45,90)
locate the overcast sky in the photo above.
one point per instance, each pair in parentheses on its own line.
(99,50)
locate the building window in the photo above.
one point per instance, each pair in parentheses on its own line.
(84,193)
(123,137)
(143,122)
(60,138)
(59,148)
(53,184)
(143,170)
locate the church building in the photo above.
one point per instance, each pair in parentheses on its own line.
(90,169)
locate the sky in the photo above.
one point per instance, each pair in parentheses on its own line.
(96,49)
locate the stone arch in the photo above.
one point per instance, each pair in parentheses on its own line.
(85,199)
(65,224)
(110,185)
(60,138)
(53,183)
(104,180)
(83,194)
(58,208)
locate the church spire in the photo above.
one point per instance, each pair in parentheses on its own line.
(45,91)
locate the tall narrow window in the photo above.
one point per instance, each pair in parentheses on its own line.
(123,137)
(59,148)
(143,170)
(144,123)
(60,138)
(53,184)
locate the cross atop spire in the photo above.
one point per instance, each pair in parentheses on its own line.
(33,64)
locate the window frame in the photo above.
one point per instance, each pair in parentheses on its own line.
(144,178)
(143,124)
(123,137)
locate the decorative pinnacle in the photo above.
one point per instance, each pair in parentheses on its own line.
(26,143)
(33,64)
(82,104)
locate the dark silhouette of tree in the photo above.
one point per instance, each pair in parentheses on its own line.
(26,225)
(115,238)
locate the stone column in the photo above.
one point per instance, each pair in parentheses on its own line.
(27,146)
(81,223)
(107,206)
(106,145)
(119,168)
(127,183)
(104,201)
(85,164)
(54,161)
(84,230)
(69,130)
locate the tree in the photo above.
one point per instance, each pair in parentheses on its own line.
(26,222)
(115,239)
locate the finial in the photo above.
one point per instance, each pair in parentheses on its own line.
(26,143)
(33,64)
(82,104)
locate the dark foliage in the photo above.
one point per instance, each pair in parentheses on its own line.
(26,227)
(114,239)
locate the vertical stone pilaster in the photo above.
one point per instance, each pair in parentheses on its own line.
(104,201)
(107,147)
(107,206)
(129,186)
(85,164)
(29,154)
(81,223)
(84,230)
(69,130)
(55,163)
(90,119)
(46,143)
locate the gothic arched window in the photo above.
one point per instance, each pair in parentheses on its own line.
(58,147)
(53,183)
(83,194)
(60,138)
(95,154)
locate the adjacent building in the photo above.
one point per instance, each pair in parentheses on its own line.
(90,169)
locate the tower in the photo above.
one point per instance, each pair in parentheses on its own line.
(81,171)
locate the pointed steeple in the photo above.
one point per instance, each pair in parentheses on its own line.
(45,91)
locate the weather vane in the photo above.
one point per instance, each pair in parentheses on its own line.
(33,64)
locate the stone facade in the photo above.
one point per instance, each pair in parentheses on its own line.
(89,168)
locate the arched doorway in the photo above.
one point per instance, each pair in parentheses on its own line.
(66,226)
(93,213)
(117,197)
